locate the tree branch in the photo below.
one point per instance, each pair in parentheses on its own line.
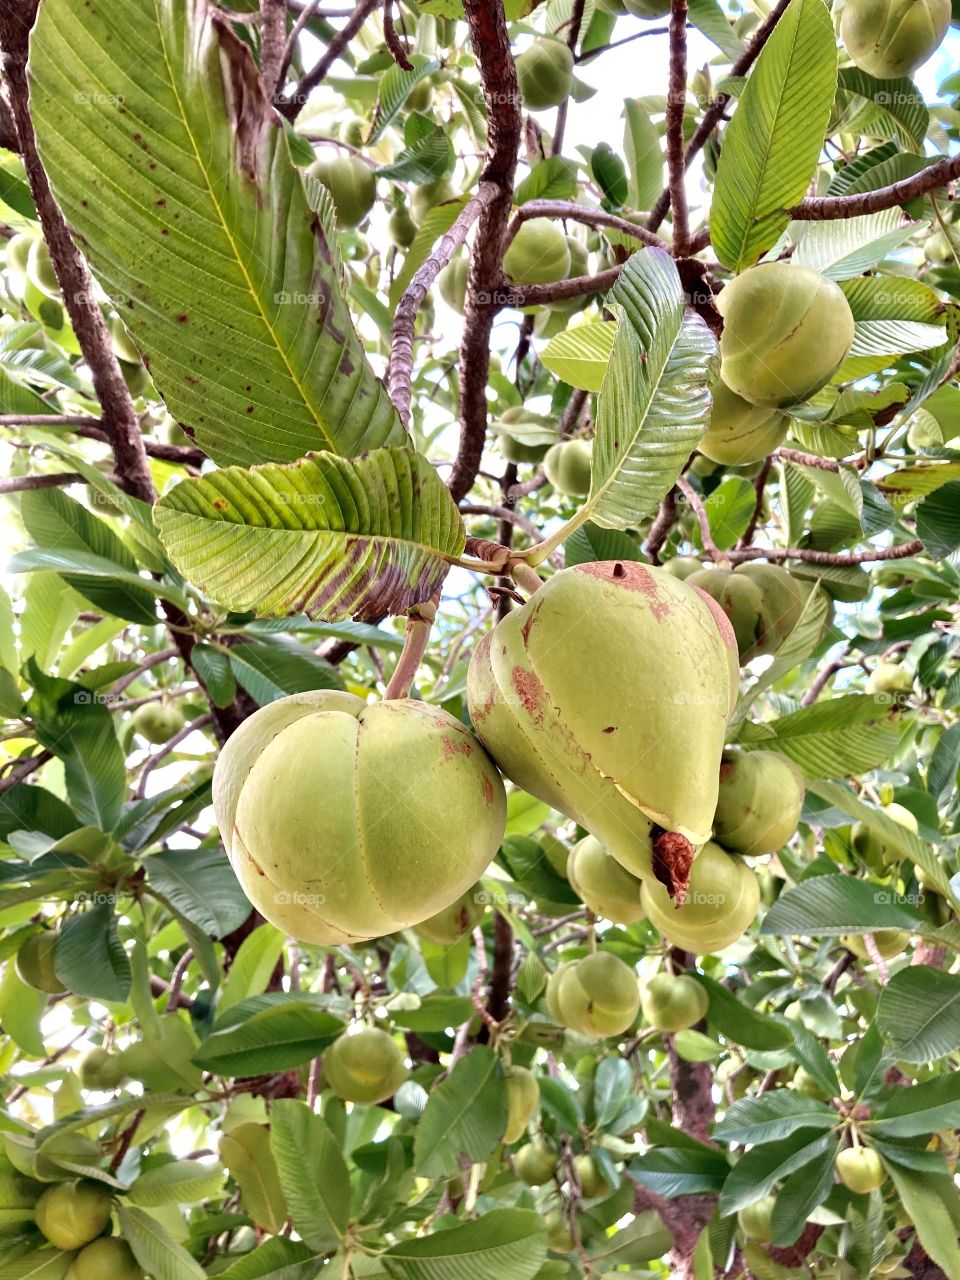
(290,104)
(581,213)
(392,40)
(822,208)
(273,37)
(665,519)
(703,520)
(19,484)
(901,552)
(536,295)
(573,35)
(676,101)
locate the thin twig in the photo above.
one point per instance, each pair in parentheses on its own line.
(419,621)
(303,17)
(664,521)
(901,552)
(22,769)
(703,520)
(539,295)
(676,102)
(20,484)
(168,748)
(290,104)
(573,35)
(759,485)
(588,217)
(392,40)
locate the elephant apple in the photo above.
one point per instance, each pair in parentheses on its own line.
(786,331)
(607,888)
(18,253)
(682,567)
(351,183)
(349,821)
(429,194)
(352,131)
(538,253)
(36,962)
(891,38)
(673,1001)
(648,8)
(924,431)
(100,1069)
(106,1259)
(40,268)
(545,73)
(401,227)
(567,465)
(71,1214)
(589,694)
(740,599)
(535,1162)
(880,854)
(756,1219)
(721,901)
(158,721)
(860,1169)
(783,601)
(420,96)
(592,1181)
(449,925)
(365,1067)
(559,1233)
(452,283)
(758,808)
(597,996)
(123,345)
(888,942)
(809,1085)
(741,432)
(523,1101)
(889,677)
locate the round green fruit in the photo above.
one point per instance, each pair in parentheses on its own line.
(429,194)
(682,567)
(607,888)
(349,821)
(366,1067)
(721,901)
(523,1101)
(924,431)
(879,854)
(402,228)
(783,601)
(158,721)
(36,962)
(809,1085)
(761,796)
(535,1163)
(860,1169)
(420,96)
(597,996)
(567,465)
(545,73)
(538,254)
(40,268)
(559,1235)
(647,8)
(452,283)
(786,331)
(891,38)
(756,1219)
(588,695)
(741,432)
(452,923)
(18,252)
(100,1069)
(673,1002)
(71,1214)
(353,131)
(122,343)
(740,599)
(106,1259)
(350,182)
(889,943)
(889,677)
(593,1184)
(517,451)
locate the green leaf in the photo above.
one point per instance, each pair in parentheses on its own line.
(271,671)
(919,1013)
(730,508)
(932,1204)
(850,246)
(276,1039)
(276,1259)
(680,1171)
(179,1182)
(252,966)
(773,1115)
(938,521)
(921,1109)
(800,1194)
(38,1264)
(757,1172)
(202,886)
(313,1173)
(395,88)
(213,668)
(90,959)
(581,354)
(641,146)
(708,16)
(828,906)
(894,108)
(642,1239)
(21,1009)
(837,737)
(590,543)
(507,1243)
(612,1085)
(330,537)
(772,144)
(465,1115)
(738,1022)
(174,173)
(552,179)
(246,1152)
(156,1251)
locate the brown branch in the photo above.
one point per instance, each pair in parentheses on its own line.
(22,769)
(703,520)
(902,552)
(78,423)
(590,54)
(821,208)
(588,217)
(392,40)
(303,17)
(537,295)
(19,484)
(823,678)
(502,513)
(168,748)
(806,459)
(290,104)
(273,38)
(573,35)
(665,519)
(498,1001)
(8,129)
(759,485)
(676,101)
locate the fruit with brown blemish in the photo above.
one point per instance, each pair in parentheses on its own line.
(758,808)
(597,996)
(351,183)
(721,901)
(71,1214)
(365,1067)
(589,694)
(606,887)
(347,821)
(523,1101)
(673,1001)
(545,74)
(891,38)
(452,923)
(567,467)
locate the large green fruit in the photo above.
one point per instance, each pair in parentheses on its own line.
(891,38)
(673,1001)
(889,677)
(401,227)
(100,1069)
(452,283)
(71,1214)
(591,1178)
(351,183)
(761,795)
(879,854)
(721,901)
(449,925)
(786,331)
(889,943)
(36,962)
(607,888)
(860,1169)
(40,268)
(740,599)
(783,601)
(106,1259)
(429,194)
(567,464)
(597,996)
(545,73)
(756,1219)
(523,1101)
(535,1163)
(590,694)
(158,721)
(741,432)
(538,253)
(344,820)
(365,1067)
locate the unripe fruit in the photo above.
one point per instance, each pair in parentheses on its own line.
(741,432)
(682,567)
(786,331)
(40,268)
(591,1178)
(428,195)
(758,808)
(889,677)
(545,73)
(924,431)
(722,899)
(559,1234)
(71,1214)
(122,343)
(860,1169)
(18,252)
(366,1067)
(352,131)
(755,1219)
(535,1163)
(420,96)
(452,283)
(888,942)
(597,996)
(809,1086)
(157,721)
(783,601)
(106,1259)
(532,437)
(523,1101)
(538,253)
(36,962)
(673,1002)
(879,854)
(648,8)
(449,925)
(350,182)
(567,465)
(740,599)
(401,227)
(607,888)
(891,38)
(515,450)
(589,694)
(100,1069)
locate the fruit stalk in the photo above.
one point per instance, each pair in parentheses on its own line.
(420,619)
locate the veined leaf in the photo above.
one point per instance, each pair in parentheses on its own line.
(156,1251)
(313,1172)
(246,1152)
(466,1114)
(179,1182)
(395,88)
(773,1115)
(897,106)
(850,246)
(174,172)
(773,142)
(919,1013)
(330,537)
(933,1205)
(838,736)
(833,905)
(580,355)
(507,1243)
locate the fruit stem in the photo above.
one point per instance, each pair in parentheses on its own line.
(419,621)
(526,577)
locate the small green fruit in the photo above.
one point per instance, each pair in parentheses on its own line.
(18,252)
(860,1169)
(40,268)
(889,677)
(722,899)
(876,852)
(428,195)
(71,1214)
(673,1002)
(741,432)
(538,254)
(122,343)
(545,73)
(567,464)
(523,1101)
(366,1067)
(402,228)
(783,601)
(740,599)
(452,283)
(891,38)
(924,431)
(158,721)
(420,96)
(452,923)
(559,1234)
(591,1178)
(36,962)
(350,182)
(353,131)
(100,1069)
(682,567)
(106,1259)
(761,796)
(755,1219)
(809,1085)
(607,888)
(517,451)
(597,996)
(889,943)
(535,1163)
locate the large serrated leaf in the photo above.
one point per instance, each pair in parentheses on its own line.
(330,537)
(850,246)
(507,1243)
(174,172)
(313,1173)
(154,1248)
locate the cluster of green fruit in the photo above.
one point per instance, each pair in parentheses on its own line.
(530,437)
(538,1164)
(75,1218)
(860,1170)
